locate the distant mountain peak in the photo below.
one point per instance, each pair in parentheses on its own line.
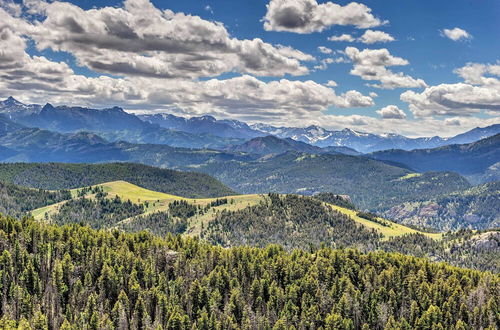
(206,117)
(11,101)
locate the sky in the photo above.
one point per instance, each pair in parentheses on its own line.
(417,68)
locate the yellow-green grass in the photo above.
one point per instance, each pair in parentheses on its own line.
(158,201)
(393,230)
(409,176)
(235,203)
(39,214)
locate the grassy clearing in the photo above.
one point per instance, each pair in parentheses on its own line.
(158,201)
(393,230)
(409,176)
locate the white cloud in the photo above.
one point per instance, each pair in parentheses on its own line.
(368,37)
(343,37)
(452,121)
(475,73)
(391,112)
(408,127)
(331,83)
(371,37)
(11,7)
(371,64)
(307,16)
(475,94)
(373,94)
(141,40)
(325,50)
(456,34)
(323,65)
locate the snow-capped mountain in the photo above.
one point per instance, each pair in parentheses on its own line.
(12,108)
(367,142)
(115,119)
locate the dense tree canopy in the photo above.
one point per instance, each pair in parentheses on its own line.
(74,277)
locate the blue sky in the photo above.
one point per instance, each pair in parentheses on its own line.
(205,79)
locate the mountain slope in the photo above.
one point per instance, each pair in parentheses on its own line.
(475,134)
(273,145)
(204,124)
(13,109)
(7,125)
(67,176)
(371,184)
(367,142)
(468,159)
(115,124)
(17,200)
(475,208)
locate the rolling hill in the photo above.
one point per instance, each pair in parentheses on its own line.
(214,208)
(68,176)
(370,183)
(290,220)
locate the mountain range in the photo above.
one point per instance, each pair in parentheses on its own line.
(478,160)
(376,181)
(115,124)
(367,142)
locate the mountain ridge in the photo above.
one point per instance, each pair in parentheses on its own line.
(207,131)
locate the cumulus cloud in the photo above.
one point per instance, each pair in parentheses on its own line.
(456,34)
(371,37)
(391,112)
(371,64)
(478,92)
(343,37)
(141,40)
(325,50)
(476,73)
(331,83)
(307,16)
(368,37)
(452,121)
(40,80)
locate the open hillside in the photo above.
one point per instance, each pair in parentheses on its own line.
(289,220)
(371,184)
(68,176)
(292,221)
(203,211)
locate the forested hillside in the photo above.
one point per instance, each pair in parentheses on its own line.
(471,159)
(66,176)
(371,184)
(17,200)
(73,277)
(477,208)
(291,221)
